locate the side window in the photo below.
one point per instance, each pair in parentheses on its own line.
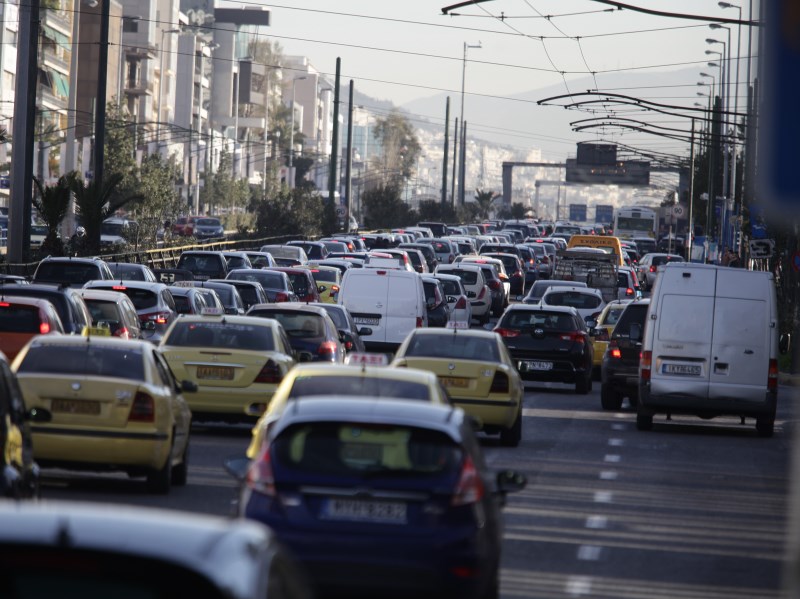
(287,347)
(81,311)
(167,297)
(164,373)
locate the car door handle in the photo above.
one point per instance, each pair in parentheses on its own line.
(749,352)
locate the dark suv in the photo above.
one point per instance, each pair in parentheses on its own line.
(71,272)
(204,265)
(620,368)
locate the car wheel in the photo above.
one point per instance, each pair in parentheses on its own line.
(180,473)
(512,436)
(765,425)
(644,420)
(583,385)
(610,399)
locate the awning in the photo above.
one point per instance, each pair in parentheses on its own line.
(58,37)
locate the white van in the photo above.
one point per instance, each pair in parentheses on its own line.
(390,302)
(710,345)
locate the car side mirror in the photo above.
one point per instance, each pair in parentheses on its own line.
(345,337)
(510,481)
(322,288)
(255,409)
(785,343)
(149,326)
(187,386)
(591,324)
(471,294)
(305,356)
(635,332)
(238,468)
(365,331)
(503,277)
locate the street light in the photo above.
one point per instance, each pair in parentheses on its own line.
(291,133)
(161,85)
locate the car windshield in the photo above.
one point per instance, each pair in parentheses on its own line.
(360,450)
(15,318)
(453,346)
(117,229)
(659,260)
(358,385)
(208,222)
(201,263)
(38,229)
(66,272)
(576,299)
(85,359)
(221,334)
(296,323)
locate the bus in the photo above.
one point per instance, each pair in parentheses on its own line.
(635,221)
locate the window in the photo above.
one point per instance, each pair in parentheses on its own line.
(85,359)
(219,334)
(358,386)
(455,347)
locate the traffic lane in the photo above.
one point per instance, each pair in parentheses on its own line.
(692,509)
(209,489)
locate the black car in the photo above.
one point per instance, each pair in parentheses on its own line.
(549,344)
(19,474)
(204,265)
(71,272)
(515,270)
(276,284)
(435,302)
(228,295)
(620,369)
(68,303)
(427,251)
(251,292)
(309,328)
(349,332)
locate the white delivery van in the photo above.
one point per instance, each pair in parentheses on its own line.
(389,302)
(710,345)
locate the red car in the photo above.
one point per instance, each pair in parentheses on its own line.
(184,226)
(305,288)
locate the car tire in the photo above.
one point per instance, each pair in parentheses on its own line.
(180,473)
(609,398)
(584,384)
(511,437)
(765,425)
(644,420)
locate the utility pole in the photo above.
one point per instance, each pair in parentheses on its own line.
(446,149)
(349,164)
(455,163)
(100,104)
(332,182)
(463,163)
(690,233)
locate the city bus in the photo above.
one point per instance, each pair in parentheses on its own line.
(635,221)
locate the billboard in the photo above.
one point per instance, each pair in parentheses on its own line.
(604,213)
(626,172)
(577,213)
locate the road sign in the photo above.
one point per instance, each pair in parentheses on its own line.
(762,248)
(678,210)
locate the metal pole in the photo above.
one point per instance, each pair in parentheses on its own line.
(463,164)
(68,224)
(100,104)
(446,149)
(349,164)
(291,135)
(234,162)
(455,163)
(333,183)
(266,134)
(690,234)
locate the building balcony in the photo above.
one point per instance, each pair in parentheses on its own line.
(54,61)
(138,88)
(57,19)
(141,52)
(51,101)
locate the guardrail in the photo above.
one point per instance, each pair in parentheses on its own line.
(165,257)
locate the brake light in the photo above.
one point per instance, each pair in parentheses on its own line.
(334,289)
(348,345)
(499,383)
(652,269)
(259,475)
(772,377)
(461,304)
(645,364)
(327,348)
(158,317)
(419,322)
(482,293)
(119,287)
(44,328)
(143,408)
(574,336)
(4,305)
(281,297)
(469,488)
(122,333)
(494,284)
(507,332)
(269,373)
(629,291)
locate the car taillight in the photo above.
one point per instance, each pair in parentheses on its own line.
(334,289)
(122,333)
(143,408)
(469,488)
(281,297)
(348,345)
(269,373)
(5,305)
(327,348)
(499,383)
(461,304)
(494,284)
(419,322)
(44,328)
(629,291)
(574,336)
(645,363)
(601,335)
(451,258)
(772,377)
(507,332)
(259,475)
(613,349)
(482,293)
(158,317)
(652,269)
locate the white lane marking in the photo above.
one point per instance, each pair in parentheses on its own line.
(589,552)
(612,458)
(597,522)
(616,442)
(603,496)
(608,475)
(578,586)
(619,427)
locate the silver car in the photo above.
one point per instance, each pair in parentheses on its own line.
(460,306)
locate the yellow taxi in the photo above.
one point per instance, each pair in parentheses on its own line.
(367,378)
(477,371)
(605,324)
(234,360)
(328,280)
(114,405)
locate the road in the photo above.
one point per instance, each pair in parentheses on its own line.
(693,509)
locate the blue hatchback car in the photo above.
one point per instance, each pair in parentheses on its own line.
(380,496)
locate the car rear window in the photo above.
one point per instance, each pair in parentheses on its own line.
(221,334)
(454,346)
(235,262)
(85,359)
(632,313)
(18,319)
(366,450)
(202,264)
(66,272)
(529,319)
(580,301)
(128,271)
(299,283)
(450,287)
(142,298)
(296,323)
(208,222)
(659,260)
(102,310)
(338,318)
(468,277)
(323,275)
(268,280)
(612,316)
(358,386)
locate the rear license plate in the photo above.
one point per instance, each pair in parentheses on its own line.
(215,373)
(452,381)
(682,369)
(75,406)
(535,365)
(353,510)
(370,321)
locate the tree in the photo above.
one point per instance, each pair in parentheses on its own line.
(156,199)
(96,203)
(517,210)
(434,211)
(400,147)
(384,208)
(52,206)
(485,201)
(297,211)
(119,149)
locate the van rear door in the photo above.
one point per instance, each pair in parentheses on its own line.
(681,359)
(741,337)
(405,305)
(365,294)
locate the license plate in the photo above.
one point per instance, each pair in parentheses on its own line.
(75,406)
(353,510)
(362,320)
(216,373)
(453,381)
(682,369)
(536,365)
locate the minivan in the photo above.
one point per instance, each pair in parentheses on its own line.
(390,302)
(710,345)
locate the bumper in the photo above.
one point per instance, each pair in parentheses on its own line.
(620,376)
(678,403)
(492,411)
(226,400)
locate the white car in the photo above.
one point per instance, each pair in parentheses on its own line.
(586,300)
(457,299)
(478,292)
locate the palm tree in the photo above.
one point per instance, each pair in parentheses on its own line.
(52,205)
(95,204)
(485,201)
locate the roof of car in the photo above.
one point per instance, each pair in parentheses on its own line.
(80,340)
(103,294)
(229,319)
(288,306)
(586,290)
